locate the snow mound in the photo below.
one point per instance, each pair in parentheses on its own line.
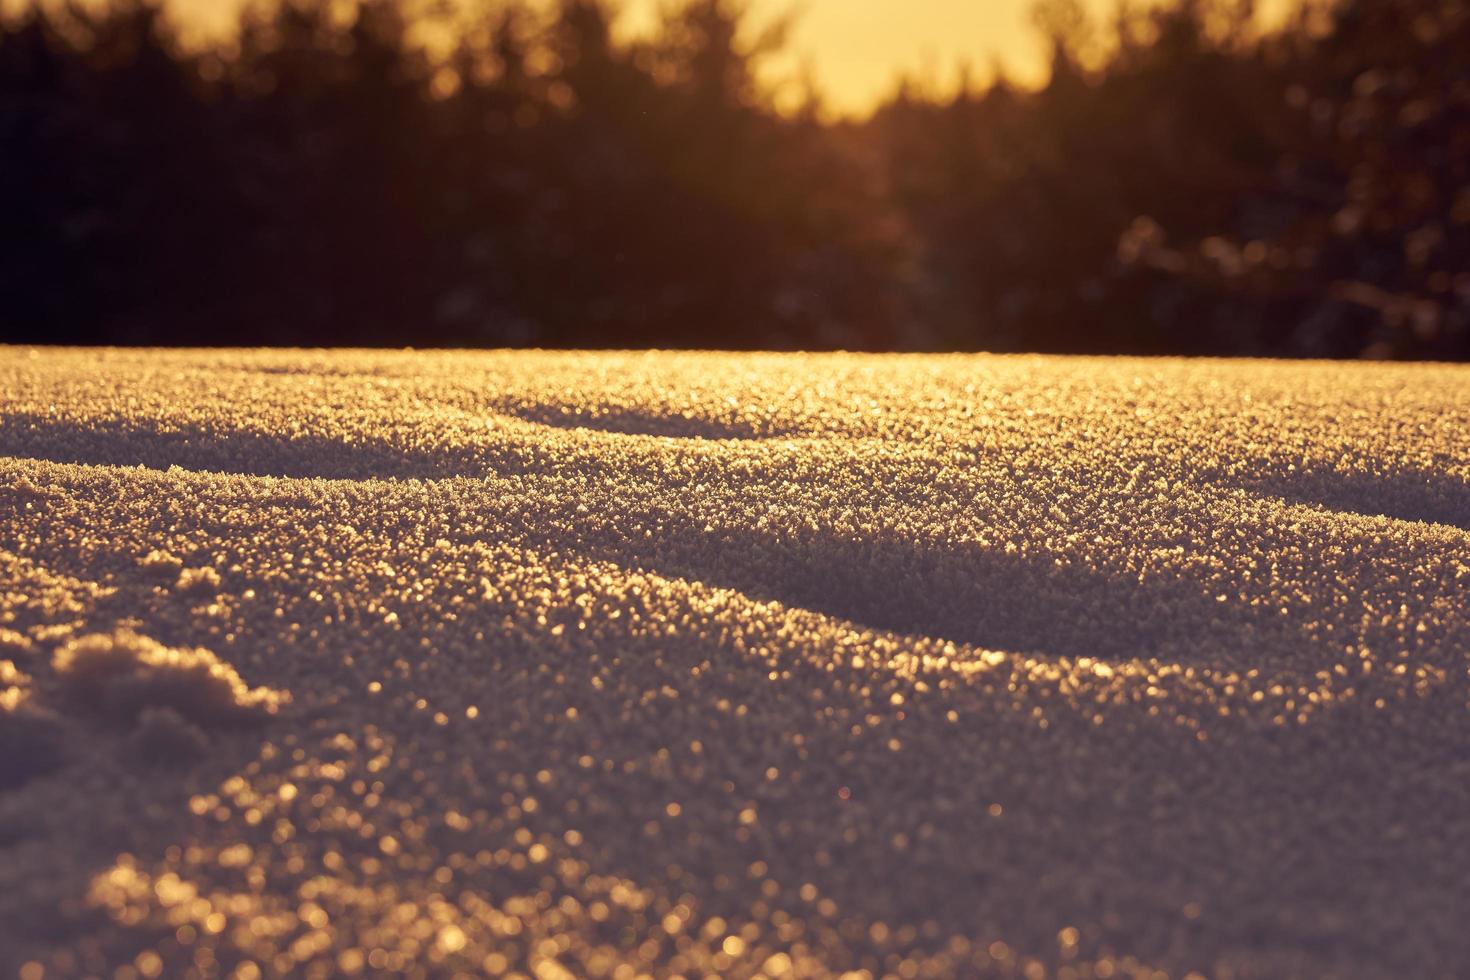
(198,581)
(123,674)
(13,684)
(161,564)
(164,736)
(29,743)
(14,645)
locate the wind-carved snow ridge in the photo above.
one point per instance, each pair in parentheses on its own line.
(618,665)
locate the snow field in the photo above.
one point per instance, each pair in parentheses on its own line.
(575,665)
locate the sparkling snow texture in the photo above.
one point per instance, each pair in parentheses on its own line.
(606,665)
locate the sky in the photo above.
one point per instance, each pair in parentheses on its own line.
(854,49)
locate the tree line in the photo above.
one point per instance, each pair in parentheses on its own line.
(1185,182)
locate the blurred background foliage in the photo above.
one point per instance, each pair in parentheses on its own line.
(1185,183)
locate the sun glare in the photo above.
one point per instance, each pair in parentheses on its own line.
(854,50)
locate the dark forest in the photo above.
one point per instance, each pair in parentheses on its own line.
(1184,183)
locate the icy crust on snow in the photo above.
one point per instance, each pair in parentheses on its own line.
(619,665)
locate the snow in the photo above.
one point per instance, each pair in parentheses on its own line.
(617,664)
(120,675)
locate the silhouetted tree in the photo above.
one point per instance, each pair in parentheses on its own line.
(1183,183)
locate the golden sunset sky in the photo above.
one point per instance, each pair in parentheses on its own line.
(855,49)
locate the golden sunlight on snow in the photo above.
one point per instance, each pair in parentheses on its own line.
(626,665)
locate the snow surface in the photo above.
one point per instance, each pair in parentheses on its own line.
(584,665)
